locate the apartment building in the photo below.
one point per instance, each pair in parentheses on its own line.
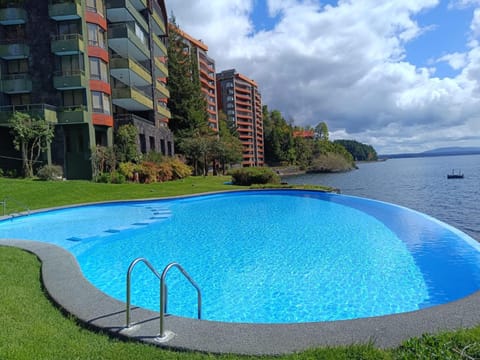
(206,71)
(239,98)
(86,67)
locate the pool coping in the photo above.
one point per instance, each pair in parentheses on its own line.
(73,293)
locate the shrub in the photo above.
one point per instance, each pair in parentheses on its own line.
(164,172)
(127,169)
(147,172)
(103,178)
(252,175)
(180,170)
(50,172)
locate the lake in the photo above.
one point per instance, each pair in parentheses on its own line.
(418,183)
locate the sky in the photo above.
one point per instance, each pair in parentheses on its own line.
(402,76)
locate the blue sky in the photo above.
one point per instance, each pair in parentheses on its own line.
(403,76)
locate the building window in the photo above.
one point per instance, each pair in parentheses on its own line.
(100,102)
(95,6)
(68,27)
(17,66)
(143,143)
(71,64)
(96,35)
(141,35)
(20,99)
(73,98)
(98,69)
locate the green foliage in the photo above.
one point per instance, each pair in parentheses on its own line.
(150,172)
(180,170)
(321,131)
(31,136)
(126,148)
(128,169)
(278,138)
(254,175)
(50,172)
(359,151)
(103,161)
(330,162)
(154,156)
(187,102)
(283,148)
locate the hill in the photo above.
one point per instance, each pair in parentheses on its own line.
(445,151)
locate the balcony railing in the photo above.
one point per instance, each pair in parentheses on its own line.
(42,110)
(124,41)
(67,44)
(16,84)
(14,49)
(68,80)
(13,15)
(65,10)
(72,114)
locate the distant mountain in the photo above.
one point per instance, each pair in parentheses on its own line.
(453,151)
(446,151)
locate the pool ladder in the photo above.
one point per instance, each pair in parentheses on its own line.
(164,336)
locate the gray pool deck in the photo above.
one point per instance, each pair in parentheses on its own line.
(65,284)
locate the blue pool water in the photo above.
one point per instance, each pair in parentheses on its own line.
(266,256)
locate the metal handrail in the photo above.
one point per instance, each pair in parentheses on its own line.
(163,295)
(163,290)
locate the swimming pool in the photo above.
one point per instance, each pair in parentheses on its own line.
(267,256)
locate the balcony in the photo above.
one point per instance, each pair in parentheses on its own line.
(65,10)
(16,84)
(73,115)
(14,49)
(162,89)
(130,72)
(162,49)
(69,80)
(132,99)
(125,11)
(45,111)
(13,15)
(163,110)
(162,67)
(68,44)
(158,23)
(123,40)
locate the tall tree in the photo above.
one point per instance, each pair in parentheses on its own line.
(187,102)
(32,135)
(126,148)
(321,131)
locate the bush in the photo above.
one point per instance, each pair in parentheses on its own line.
(147,172)
(164,172)
(180,170)
(50,172)
(128,170)
(252,175)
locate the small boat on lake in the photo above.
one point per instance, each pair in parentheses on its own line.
(455,175)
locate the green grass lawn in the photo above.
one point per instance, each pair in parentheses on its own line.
(33,328)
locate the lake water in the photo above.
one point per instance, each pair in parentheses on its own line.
(418,183)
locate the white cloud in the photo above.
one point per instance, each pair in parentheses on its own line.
(456,60)
(345,65)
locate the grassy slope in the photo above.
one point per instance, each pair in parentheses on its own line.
(34,329)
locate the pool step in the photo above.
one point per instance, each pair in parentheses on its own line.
(159,214)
